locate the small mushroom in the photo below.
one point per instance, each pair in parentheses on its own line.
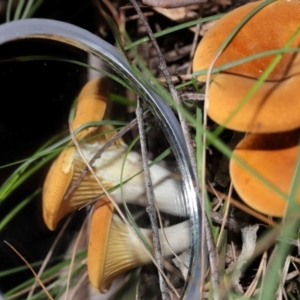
(275,106)
(91,106)
(274,157)
(114,249)
(108,168)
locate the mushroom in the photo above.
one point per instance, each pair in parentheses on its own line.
(91,106)
(272,156)
(270,28)
(114,249)
(108,168)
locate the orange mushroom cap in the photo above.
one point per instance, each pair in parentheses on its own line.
(113,248)
(274,157)
(275,106)
(90,107)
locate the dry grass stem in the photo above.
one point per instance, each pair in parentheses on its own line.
(151,205)
(172,3)
(31,269)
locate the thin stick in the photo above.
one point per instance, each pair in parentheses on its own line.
(83,281)
(243,207)
(49,254)
(195,40)
(231,223)
(31,269)
(172,3)
(163,67)
(165,236)
(215,276)
(255,281)
(225,216)
(151,205)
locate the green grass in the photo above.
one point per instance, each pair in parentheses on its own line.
(204,138)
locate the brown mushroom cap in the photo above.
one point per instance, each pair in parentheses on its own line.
(274,157)
(91,104)
(90,107)
(113,248)
(275,106)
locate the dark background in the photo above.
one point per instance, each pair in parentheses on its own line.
(35,100)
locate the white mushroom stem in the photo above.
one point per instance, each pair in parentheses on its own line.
(173,239)
(125,251)
(109,169)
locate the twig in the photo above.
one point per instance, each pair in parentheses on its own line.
(172,3)
(99,153)
(151,205)
(231,223)
(212,252)
(48,256)
(83,227)
(186,134)
(116,206)
(255,281)
(192,96)
(225,216)
(195,40)
(242,207)
(163,67)
(31,269)
(213,259)
(83,281)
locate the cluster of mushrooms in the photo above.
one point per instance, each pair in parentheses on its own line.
(113,247)
(272,115)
